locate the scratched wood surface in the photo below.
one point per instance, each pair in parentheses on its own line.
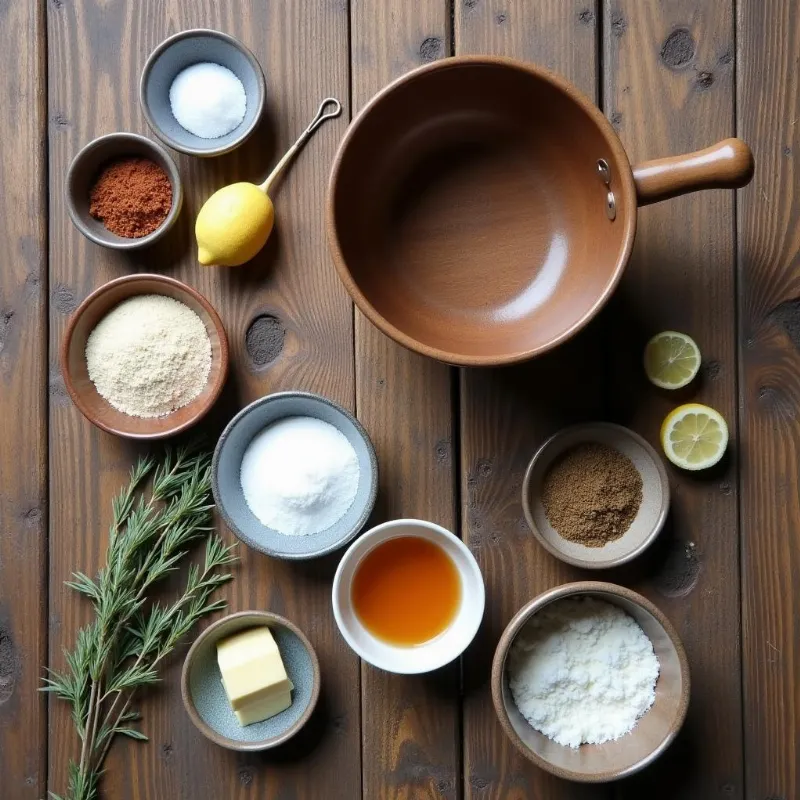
(304,57)
(410,727)
(23,402)
(452,445)
(668,88)
(768,103)
(507,413)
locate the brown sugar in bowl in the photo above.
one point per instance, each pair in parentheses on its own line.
(76,376)
(482,210)
(651,513)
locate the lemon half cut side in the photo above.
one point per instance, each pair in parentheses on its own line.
(694,436)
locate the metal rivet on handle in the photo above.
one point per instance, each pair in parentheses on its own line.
(604,171)
(611,206)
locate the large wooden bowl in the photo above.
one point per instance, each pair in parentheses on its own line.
(76,376)
(482,210)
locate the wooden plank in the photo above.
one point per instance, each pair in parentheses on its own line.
(668,88)
(23,401)
(410,725)
(507,413)
(96,55)
(768,103)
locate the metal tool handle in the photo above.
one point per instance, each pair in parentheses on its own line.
(321,116)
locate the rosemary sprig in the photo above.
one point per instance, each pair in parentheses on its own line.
(119,652)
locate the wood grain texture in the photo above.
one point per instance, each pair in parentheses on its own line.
(768,103)
(507,413)
(303,340)
(23,401)
(410,724)
(668,87)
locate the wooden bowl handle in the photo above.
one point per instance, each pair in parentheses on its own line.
(725,165)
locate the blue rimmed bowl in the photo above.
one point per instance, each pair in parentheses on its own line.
(204,695)
(227,486)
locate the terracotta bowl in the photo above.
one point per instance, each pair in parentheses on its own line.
(644,527)
(482,210)
(83,392)
(654,731)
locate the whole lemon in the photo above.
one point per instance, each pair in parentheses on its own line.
(233,225)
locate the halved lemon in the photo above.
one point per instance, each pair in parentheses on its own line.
(694,436)
(671,359)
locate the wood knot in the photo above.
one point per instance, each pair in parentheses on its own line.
(264,339)
(680,570)
(431,48)
(500,18)
(586,17)
(705,79)
(64,299)
(9,666)
(618,25)
(678,49)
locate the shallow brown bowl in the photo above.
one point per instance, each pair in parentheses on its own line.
(76,376)
(482,210)
(652,734)
(644,527)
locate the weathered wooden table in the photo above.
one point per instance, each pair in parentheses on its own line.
(672,76)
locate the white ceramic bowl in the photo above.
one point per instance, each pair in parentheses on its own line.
(435,653)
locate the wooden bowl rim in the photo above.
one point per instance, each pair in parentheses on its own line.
(612,562)
(265,617)
(626,187)
(537,604)
(216,388)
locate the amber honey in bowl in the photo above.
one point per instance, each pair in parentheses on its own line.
(406,591)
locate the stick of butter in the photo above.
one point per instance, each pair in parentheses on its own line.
(253,675)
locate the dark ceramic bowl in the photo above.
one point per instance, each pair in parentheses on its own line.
(226,470)
(205,699)
(87,165)
(653,732)
(76,376)
(182,50)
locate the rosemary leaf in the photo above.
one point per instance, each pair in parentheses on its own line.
(120,651)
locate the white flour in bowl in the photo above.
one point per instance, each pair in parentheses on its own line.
(582,671)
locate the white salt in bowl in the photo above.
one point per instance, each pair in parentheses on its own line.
(183,50)
(226,475)
(653,732)
(437,652)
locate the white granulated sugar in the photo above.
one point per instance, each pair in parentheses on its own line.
(207,100)
(299,475)
(582,671)
(149,356)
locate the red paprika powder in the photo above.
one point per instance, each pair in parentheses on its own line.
(131,197)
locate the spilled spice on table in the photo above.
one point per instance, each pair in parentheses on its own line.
(592,494)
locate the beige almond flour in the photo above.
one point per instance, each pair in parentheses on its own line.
(149,356)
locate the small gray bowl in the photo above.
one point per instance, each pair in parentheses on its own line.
(84,170)
(204,695)
(226,469)
(193,47)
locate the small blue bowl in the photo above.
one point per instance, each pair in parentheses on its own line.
(205,698)
(227,463)
(180,51)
